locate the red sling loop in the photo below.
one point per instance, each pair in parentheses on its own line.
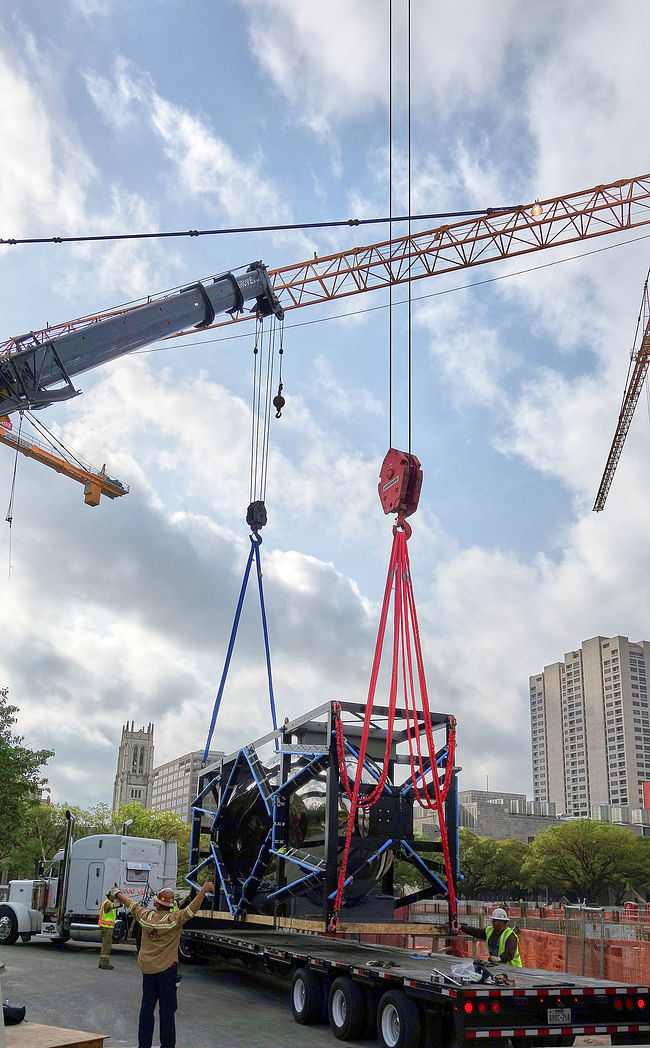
(406,645)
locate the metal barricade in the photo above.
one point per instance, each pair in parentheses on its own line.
(584,940)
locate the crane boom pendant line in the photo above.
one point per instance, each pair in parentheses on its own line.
(256,542)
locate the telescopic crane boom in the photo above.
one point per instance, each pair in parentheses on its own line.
(36,369)
(639,370)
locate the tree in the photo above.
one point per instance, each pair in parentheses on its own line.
(166,825)
(45,830)
(587,858)
(20,777)
(487,865)
(476,855)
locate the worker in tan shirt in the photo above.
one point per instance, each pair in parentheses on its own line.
(158,959)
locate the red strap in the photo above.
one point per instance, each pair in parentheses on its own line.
(406,640)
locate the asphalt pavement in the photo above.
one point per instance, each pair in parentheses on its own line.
(217,1004)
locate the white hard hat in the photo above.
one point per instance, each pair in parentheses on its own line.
(499,914)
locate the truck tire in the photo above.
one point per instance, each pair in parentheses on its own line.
(8,926)
(346,1009)
(398,1021)
(306,997)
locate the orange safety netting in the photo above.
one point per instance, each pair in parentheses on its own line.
(625,961)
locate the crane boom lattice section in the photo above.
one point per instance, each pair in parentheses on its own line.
(640,361)
(616,207)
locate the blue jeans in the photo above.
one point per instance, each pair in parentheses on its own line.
(160,989)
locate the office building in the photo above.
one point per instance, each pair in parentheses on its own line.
(134,767)
(175,784)
(590,728)
(499,816)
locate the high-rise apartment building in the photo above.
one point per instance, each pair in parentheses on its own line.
(590,727)
(176,784)
(134,767)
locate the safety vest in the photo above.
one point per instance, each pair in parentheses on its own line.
(107,915)
(505,934)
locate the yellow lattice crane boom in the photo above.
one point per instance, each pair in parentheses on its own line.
(96,482)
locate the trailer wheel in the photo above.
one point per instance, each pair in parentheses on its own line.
(346,1009)
(8,926)
(398,1021)
(306,997)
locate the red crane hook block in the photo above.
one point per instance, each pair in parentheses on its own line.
(400,482)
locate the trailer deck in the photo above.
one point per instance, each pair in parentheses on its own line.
(549,1007)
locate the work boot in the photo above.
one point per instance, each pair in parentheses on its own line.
(106,967)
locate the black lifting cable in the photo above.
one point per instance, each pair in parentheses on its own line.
(263,368)
(54,441)
(10,509)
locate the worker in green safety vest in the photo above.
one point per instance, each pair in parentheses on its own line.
(502,941)
(107,916)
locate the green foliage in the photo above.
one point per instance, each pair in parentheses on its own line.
(589,858)
(166,825)
(407,878)
(20,778)
(488,865)
(45,829)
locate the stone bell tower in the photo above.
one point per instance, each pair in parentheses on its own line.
(134,776)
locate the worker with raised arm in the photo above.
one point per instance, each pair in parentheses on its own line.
(158,959)
(502,941)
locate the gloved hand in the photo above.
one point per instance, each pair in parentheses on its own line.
(112,893)
(492,959)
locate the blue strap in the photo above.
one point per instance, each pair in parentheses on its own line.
(255,551)
(231,645)
(256,547)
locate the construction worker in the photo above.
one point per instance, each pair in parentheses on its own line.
(158,959)
(502,941)
(107,916)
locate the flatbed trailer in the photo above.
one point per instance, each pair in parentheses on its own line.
(413,999)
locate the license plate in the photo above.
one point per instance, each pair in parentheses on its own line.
(558,1016)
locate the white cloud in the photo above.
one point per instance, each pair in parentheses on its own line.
(204,162)
(468,352)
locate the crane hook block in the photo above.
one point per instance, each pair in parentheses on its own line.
(256,516)
(400,482)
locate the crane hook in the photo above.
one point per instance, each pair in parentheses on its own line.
(279,402)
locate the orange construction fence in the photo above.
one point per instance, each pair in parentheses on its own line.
(624,961)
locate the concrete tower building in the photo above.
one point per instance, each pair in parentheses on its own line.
(590,727)
(134,776)
(176,784)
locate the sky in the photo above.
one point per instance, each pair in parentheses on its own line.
(127,118)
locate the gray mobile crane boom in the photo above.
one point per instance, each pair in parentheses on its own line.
(38,369)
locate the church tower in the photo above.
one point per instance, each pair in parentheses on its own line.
(134,777)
